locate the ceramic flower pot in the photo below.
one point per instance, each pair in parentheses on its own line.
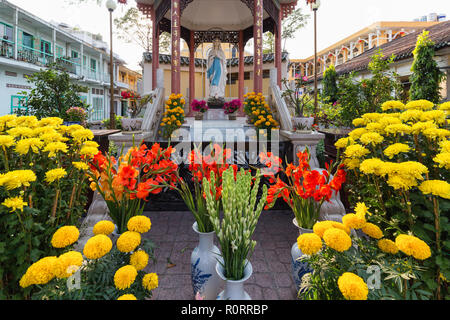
(199,116)
(232,116)
(205,281)
(302,124)
(234,289)
(299,268)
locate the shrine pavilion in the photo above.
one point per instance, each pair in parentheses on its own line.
(201,21)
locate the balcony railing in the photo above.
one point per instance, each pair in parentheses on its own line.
(34,56)
(69,64)
(6,48)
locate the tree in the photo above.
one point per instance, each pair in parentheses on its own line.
(295,21)
(330,89)
(133,26)
(426,77)
(53,93)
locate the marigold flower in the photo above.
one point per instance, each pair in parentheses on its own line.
(420,105)
(124,277)
(140,224)
(150,281)
(372,230)
(65,236)
(127,297)
(353,221)
(309,243)
(67,264)
(341,226)
(104,227)
(337,239)
(352,287)
(139,259)
(389,105)
(14,204)
(321,226)
(387,246)
(40,272)
(97,246)
(413,246)
(128,241)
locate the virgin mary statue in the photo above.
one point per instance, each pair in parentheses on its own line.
(217,71)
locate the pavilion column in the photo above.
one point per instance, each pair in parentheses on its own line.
(241,78)
(176,33)
(278,61)
(191,71)
(257,36)
(155,49)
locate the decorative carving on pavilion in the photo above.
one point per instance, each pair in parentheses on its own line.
(268,25)
(145,9)
(287,9)
(208,37)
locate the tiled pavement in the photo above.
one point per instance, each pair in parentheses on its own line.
(271,280)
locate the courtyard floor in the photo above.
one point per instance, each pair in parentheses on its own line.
(271,280)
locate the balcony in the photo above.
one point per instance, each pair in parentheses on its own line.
(34,56)
(6,49)
(70,65)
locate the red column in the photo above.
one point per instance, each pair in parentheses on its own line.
(257,36)
(241,70)
(155,49)
(278,57)
(176,30)
(191,71)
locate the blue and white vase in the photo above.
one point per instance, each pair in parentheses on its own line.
(234,289)
(205,281)
(299,268)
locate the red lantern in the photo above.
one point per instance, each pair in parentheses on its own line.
(122,1)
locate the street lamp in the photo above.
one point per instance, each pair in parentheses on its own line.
(111,5)
(315,4)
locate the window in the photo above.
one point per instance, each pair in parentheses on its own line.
(93,64)
(46,47)
(74,54)
(18,103)
(97,109)
(246,75)
(27,40)
(266,74)
(6,32)
(11,74)
(59,51)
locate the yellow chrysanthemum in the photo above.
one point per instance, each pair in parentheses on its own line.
(351,163)
(15,203)
(420,105)
(97,246)
(358,122)
(411,115)
(68,263)
(353,221)
(65,236)
(434,115)
(395,149)
(139,260)
(413,246)
(445,146)
(435,133)
(150,281)
(7,141)
(309,243)
(40,272)
(80,166)
(128,241)
(23,146)
(372,166)
(337,239)
(55,174)
(352,287)
(127,297)
(443,159)
(372,138)
(372,230)
(21,132)
(17,179)
(387,246)
(437,188)
(355,151)
(357,133)
(104,227)
(140,224)
(55,147)
(124,277)
(389,105)
(399,128)
(361,210)
(445,106)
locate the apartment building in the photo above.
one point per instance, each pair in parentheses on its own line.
(28,44)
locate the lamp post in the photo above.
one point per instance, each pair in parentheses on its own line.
(315,4)
(111,5)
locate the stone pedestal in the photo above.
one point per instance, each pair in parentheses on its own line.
(126,140)
(300,141)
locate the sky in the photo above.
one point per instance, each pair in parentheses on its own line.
(336,19)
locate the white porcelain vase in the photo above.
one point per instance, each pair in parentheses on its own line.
(205,281)
(234,289)
(299,268)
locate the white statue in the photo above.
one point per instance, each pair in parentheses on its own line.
(217,71)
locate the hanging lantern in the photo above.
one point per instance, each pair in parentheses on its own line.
(122,1)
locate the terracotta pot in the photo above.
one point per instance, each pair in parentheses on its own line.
(199,116)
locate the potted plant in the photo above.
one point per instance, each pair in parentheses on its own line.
(173,117)
(216,102)
(125,182)
(205,281)
(305,191)
(199,107)
(76,115)
(230,108)
(133,124)
(298,97)
(234,231)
